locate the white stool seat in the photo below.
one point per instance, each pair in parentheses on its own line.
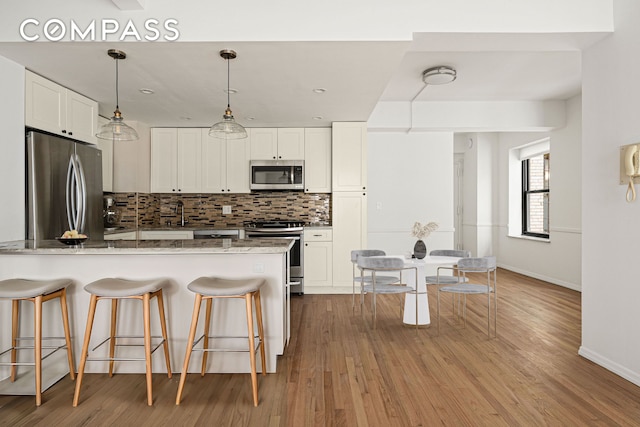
(217,287)
(25,288)
(122,288)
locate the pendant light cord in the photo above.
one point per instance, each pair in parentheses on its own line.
(117,98)
(228,94)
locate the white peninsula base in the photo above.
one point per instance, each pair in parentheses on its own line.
(181,266)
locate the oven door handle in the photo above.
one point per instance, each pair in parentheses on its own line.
(274,237)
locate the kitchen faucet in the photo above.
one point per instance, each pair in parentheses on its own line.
(181,207)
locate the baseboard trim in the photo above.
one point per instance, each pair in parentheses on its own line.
(610,365)
(552,280)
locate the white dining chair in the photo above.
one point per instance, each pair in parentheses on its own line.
(376,264)
(487,286)
(366,279)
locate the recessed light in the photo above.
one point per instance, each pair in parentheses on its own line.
(185,118)
(319,90)
(146,91)
(317,117)
(231,91)
(251,118)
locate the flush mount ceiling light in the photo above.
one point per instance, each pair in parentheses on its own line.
(439,75)
(228,128)
(116,129)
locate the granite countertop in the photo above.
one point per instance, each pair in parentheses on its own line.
(154,247)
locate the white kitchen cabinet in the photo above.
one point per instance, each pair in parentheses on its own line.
(277,143)
(318,258)
(132,162)
(290,143)
(125,235)
(56,109)
(349,156)
(176,159)
(349,226)
(165,234)
(317,160)
(225,164)
(106,146)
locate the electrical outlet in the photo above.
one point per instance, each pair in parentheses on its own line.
(379,206)
(258,268)
(226,210)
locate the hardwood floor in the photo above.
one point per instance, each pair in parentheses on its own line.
(337,371)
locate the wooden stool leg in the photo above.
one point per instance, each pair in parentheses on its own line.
(187,356)
(205,342)
(260,331)
(15,327)
(252,353)
(85,347)
(112,334)
(67,331)
(163,325)
(147,345)
(37,324)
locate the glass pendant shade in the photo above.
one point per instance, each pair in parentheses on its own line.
(117,130)
(228,128)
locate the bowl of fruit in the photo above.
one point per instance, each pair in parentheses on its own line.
(72,237)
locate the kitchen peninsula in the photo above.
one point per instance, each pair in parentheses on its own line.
(179,260)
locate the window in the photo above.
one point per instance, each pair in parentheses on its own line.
(535,196)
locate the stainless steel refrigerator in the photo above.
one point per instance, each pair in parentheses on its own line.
(64,187)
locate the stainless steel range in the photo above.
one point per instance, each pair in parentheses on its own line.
(283,229)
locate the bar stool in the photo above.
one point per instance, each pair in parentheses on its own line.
(208,288)
(36,291)
(116,289)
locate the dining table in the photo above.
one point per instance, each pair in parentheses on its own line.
(431,263)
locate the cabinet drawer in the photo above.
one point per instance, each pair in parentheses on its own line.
(318,235)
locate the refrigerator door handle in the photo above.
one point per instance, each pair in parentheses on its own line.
(82,194)
(69,195)
(73,194)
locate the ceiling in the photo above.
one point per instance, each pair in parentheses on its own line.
(275,81)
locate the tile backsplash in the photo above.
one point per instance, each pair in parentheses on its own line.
(147,210)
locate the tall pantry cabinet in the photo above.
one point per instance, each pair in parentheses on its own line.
(349,185)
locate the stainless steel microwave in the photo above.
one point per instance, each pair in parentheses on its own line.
(277,174)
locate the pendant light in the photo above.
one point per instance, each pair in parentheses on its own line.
(228,128)
(116,129)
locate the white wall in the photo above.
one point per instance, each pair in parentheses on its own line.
(558,260)
(12,161)
(410,179)
(610,225)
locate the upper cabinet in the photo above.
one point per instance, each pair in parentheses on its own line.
(317,160)
(56,109)
(176,156)
(277,143)
(225,164)
(349,156)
